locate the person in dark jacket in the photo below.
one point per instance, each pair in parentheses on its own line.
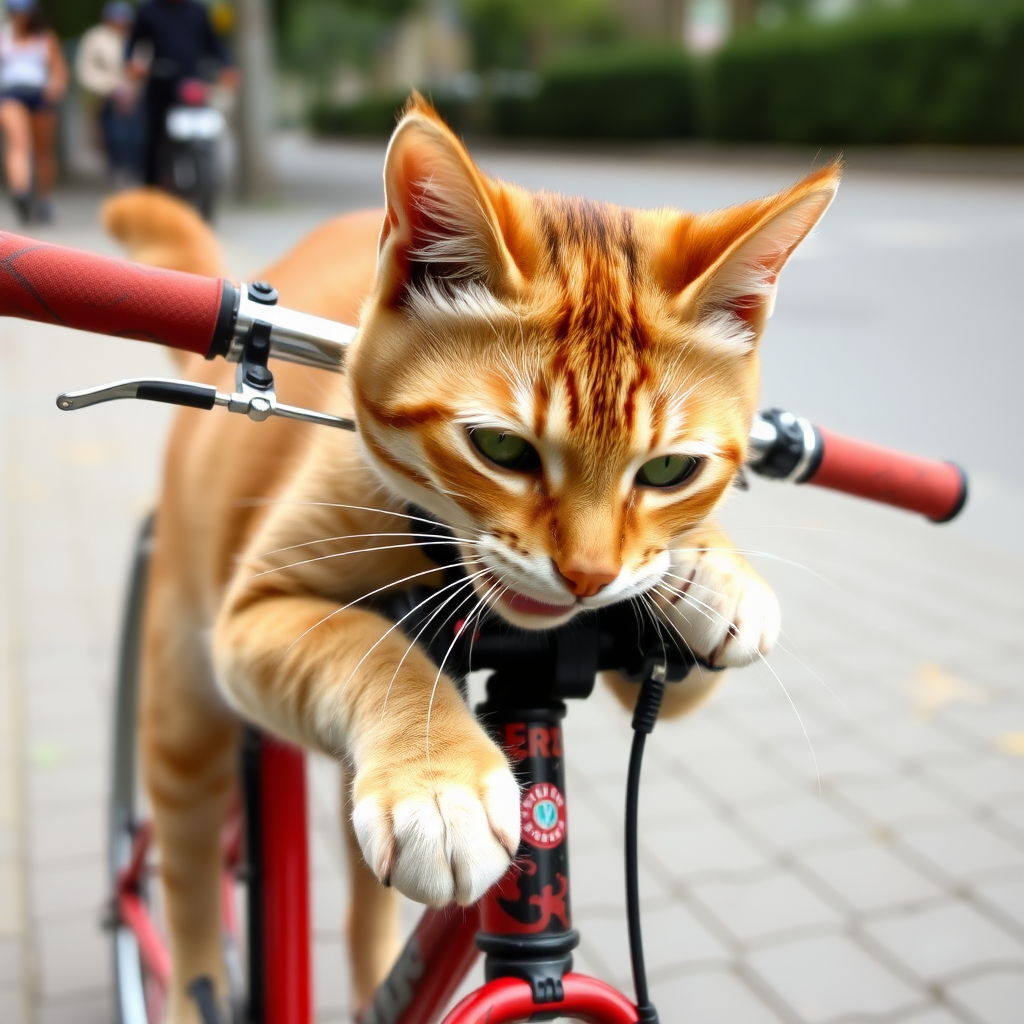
(181,44)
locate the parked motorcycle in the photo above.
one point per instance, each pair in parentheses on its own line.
(188,163)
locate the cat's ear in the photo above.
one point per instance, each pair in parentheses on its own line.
(440,225)
(735,293)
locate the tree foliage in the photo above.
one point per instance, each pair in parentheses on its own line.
(523,33)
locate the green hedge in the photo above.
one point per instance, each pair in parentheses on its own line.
(931,72)
(377,115)
(919,75)
(620,93)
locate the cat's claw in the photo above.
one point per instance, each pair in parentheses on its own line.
(444,843)
(725,612)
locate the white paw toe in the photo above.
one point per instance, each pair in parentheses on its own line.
(449,843)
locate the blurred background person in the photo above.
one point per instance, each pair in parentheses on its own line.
(171,41)
(33,78)
(101,69)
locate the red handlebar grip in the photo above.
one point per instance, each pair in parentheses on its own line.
(58,285)
(937,490)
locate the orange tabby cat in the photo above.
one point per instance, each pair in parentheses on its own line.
(569,385)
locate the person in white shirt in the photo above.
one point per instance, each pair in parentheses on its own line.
(33,77)
(100,67)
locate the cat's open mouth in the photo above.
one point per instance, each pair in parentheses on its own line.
(522,604)
(531,606)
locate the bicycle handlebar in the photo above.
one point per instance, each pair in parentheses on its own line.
(937,490)
(58,285)
(211,317)
(788,447)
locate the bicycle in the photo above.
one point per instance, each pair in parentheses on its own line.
(524,925)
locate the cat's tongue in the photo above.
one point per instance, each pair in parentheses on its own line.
(530,606)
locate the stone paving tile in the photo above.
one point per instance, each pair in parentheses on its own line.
(712,848)
(982,781)
(801,823)
(738,779)
(331,991)
(673,938)
(986,720)
(664,797)
(66,783)
(84,1008)
(711,997)
(932,1016)
(896,802)
(12,1005)
(841,759)
(765,907)
(598,879)
(10,961)
(996,997)
(1004,895)
(949,939)
(69,890)
(8,843)
(1011,818)
(912,741)
(869,878)
(69,957)
(828,976)
(962,849)
(67,833)
(592,816)
(329,899)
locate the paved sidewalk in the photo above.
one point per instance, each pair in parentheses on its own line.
(836,837)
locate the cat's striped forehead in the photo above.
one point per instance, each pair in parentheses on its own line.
(598,337)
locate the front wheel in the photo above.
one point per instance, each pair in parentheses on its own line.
(142,965)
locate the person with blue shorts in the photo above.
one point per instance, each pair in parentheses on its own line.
(33,77)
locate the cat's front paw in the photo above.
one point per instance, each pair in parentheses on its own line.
(440,832)
(725,612)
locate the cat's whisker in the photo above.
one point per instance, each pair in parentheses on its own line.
(341,537)
(659,619)
(387,586)
(457,584)
(480,605)
(342,554)
(754,553)
(781,647)
(464,582)
(708,610)
(807,668)
(260,502)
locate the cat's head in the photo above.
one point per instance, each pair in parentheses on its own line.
(569,385)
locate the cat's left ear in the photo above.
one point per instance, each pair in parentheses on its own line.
(440,225)
(740,284)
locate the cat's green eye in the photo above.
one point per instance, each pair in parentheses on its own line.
(504,449)
(667,470)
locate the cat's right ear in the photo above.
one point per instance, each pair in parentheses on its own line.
(440,225)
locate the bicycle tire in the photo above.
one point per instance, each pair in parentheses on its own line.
(136,993)
(123,817)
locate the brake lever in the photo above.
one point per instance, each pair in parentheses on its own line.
(255,403)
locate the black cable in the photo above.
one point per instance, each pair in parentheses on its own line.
(648,703)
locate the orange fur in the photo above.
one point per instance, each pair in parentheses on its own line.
(603,337)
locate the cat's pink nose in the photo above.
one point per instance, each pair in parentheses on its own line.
(585,582)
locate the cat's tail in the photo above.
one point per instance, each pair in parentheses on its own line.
(162,231)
